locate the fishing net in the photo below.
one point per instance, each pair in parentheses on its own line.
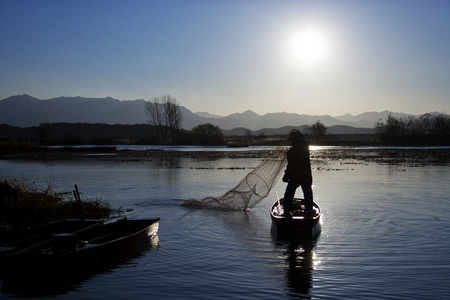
(251,190)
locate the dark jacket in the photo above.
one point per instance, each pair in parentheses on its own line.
(299,165)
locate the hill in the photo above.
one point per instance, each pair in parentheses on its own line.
(26,111)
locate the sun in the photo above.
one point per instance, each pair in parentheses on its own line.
(307,46)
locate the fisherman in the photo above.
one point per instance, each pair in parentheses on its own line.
(298,173)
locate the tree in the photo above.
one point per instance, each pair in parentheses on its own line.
(391,129)
(165,115)
(317,131)
(208,134)
(441,125)
(427,128)
(154,110)
(44,132)
(174,117)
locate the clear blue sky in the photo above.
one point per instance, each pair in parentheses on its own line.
(307,57)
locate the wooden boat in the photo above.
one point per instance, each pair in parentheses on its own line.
(307,225)
(14,241)
(70,256)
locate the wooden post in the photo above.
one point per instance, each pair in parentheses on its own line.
(80,205)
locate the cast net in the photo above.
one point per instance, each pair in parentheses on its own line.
(251,190)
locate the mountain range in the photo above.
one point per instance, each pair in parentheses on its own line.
(26,111)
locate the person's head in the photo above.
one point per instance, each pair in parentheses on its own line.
(296,137)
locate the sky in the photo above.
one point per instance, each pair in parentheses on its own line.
(308,57)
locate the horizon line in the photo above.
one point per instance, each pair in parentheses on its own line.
(217,115)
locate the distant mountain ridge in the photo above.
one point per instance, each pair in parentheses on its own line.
(25,111)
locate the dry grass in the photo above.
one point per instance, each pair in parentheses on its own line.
(23,205)
(17,146)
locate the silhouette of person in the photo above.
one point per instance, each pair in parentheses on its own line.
(298,173)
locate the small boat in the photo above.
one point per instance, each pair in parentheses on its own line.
(14,241)
(71,256)
(301,223)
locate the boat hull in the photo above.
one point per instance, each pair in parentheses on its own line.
(300,223)
(48,265)
(16,241)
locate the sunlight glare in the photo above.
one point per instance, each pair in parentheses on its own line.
(308,46)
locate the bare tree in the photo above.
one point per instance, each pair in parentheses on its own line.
(165,115)
(154,110)
(434,126)
(174,115)
(317,130)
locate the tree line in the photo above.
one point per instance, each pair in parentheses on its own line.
(106,134)
(165,127)
(426,129)
(139,134)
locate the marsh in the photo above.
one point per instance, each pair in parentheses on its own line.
(385,231)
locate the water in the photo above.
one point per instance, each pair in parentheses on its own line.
(385,231)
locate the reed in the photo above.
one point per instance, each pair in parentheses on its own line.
(17,146)
(23,205)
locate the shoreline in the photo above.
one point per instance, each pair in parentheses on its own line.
(379,155)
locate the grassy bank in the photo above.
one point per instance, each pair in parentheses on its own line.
(23,205)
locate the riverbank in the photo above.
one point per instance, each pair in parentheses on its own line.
(391,155)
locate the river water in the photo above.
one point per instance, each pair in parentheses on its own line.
(385,231)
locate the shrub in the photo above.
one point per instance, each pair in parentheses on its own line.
(23,205)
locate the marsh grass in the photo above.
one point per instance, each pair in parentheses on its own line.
(17,146)
(23,205)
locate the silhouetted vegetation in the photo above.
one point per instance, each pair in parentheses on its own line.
(316,131)
(17,146)
(23,205)
(426,129)
(207,134)
(165,116)
(81,134)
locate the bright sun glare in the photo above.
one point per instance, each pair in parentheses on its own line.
(307,46)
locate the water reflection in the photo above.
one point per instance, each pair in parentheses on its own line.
(373,213)
(299,257)
(50,284)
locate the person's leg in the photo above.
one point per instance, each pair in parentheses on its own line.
(289,196)
(307,194)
